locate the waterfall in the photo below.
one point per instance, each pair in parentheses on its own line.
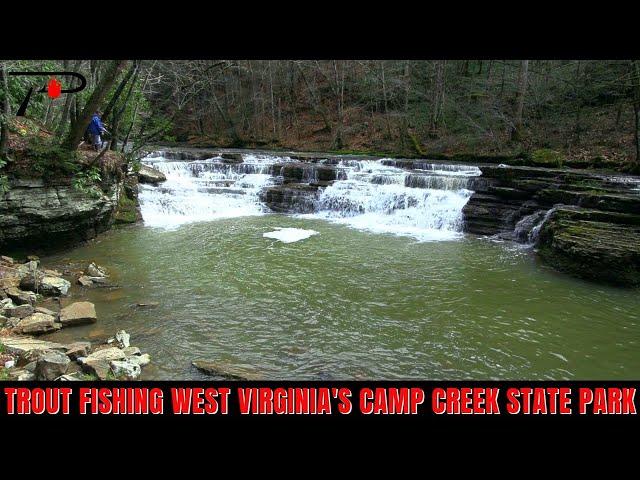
(425,203)
(535,231)
(202,190)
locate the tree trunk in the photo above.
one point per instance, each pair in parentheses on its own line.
(405,117)
(576,89)
(78,127)
(516,132)
(117,114)
(385,100)
(121,86)
(4,112)
(438,98)
(316,105)
(635,75)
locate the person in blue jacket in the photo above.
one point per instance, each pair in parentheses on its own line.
(96,129)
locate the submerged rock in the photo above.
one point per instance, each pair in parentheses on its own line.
(231,372)
(78,313)
(94,270)
(231,157)
(85,281)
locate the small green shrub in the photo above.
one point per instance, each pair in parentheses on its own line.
(86,182)
(545,157)
(4,184)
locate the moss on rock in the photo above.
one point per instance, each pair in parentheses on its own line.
(592,246)
(546,157)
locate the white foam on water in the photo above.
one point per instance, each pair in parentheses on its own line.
(290,235)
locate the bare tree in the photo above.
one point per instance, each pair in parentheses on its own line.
(4,111)
(516,131)
(437,112)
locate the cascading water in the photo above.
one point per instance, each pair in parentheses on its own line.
(203,190)
(425,204)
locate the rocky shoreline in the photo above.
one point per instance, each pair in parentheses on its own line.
(30,306)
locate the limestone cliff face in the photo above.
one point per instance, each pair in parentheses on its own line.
(33,213)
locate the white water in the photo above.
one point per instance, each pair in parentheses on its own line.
(382,199)
(204,190)
(290,235)
(425,203)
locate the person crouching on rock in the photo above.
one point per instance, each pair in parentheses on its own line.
(96,129)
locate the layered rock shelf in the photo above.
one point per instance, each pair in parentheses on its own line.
(584,223)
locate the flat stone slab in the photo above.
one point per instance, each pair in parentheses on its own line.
(78,313)
(38,323)
(19,344)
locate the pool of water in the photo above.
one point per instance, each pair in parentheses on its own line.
(346,303)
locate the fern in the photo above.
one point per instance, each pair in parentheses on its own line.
(86,181)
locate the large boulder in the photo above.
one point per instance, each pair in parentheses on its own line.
(45,284)
(108,354)
(150,175)
(78,313)
(51,365)
(125,369)
(37,323)
(99,362)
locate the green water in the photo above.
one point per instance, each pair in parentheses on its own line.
(347,304)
